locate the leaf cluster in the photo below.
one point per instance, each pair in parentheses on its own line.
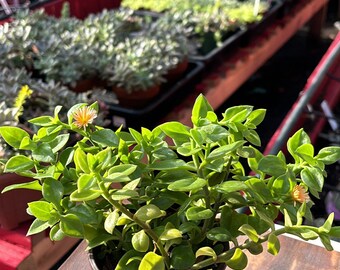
(67,50)
(204,21)
(172,197)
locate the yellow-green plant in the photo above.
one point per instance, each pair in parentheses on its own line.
(170,198)
(10,116)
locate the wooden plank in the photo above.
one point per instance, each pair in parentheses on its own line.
(78,259)
(295,254)
(47,253)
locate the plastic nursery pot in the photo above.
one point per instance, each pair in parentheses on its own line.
(174,73)
(13,204)
(208,43)
(99,261)
(137,98)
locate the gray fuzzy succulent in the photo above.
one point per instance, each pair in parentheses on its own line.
(100,33)
(11,81)
(44,43)
(114,25)
(8,116)
(18,38)
(137,65)
(60,58)
(171,42)
(45,97)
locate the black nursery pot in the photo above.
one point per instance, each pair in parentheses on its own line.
(102,264)
(101,260)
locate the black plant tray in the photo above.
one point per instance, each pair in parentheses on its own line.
(38,3)
(158,107)
(228,44)
(274,12)
(3,17)
(143,12)
(288,5)
(242,36)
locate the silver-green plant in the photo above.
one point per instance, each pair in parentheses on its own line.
(19,37)
(44,98)
(11,81)
(172,42)
(137,65)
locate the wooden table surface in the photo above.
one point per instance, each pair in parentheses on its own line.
(294,254)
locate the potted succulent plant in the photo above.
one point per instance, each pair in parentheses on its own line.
(142,60)
(60,57)
(97,38)
(174,46)
(207,24)
(205,29)
(18,38)
(171,197)
(136,72)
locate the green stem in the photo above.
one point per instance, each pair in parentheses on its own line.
(225,256)
(140,223)
(208,222)
(198,167)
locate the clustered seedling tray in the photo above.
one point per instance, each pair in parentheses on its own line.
(231,42)
(241,37)
(78,8)
(274,12)
(288,5)
(151,113)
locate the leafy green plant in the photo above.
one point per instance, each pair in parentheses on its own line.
(19,105)
(152,5)
(170,197)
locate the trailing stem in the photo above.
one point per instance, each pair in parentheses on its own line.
(140,223)
(225,256)
(208,222)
